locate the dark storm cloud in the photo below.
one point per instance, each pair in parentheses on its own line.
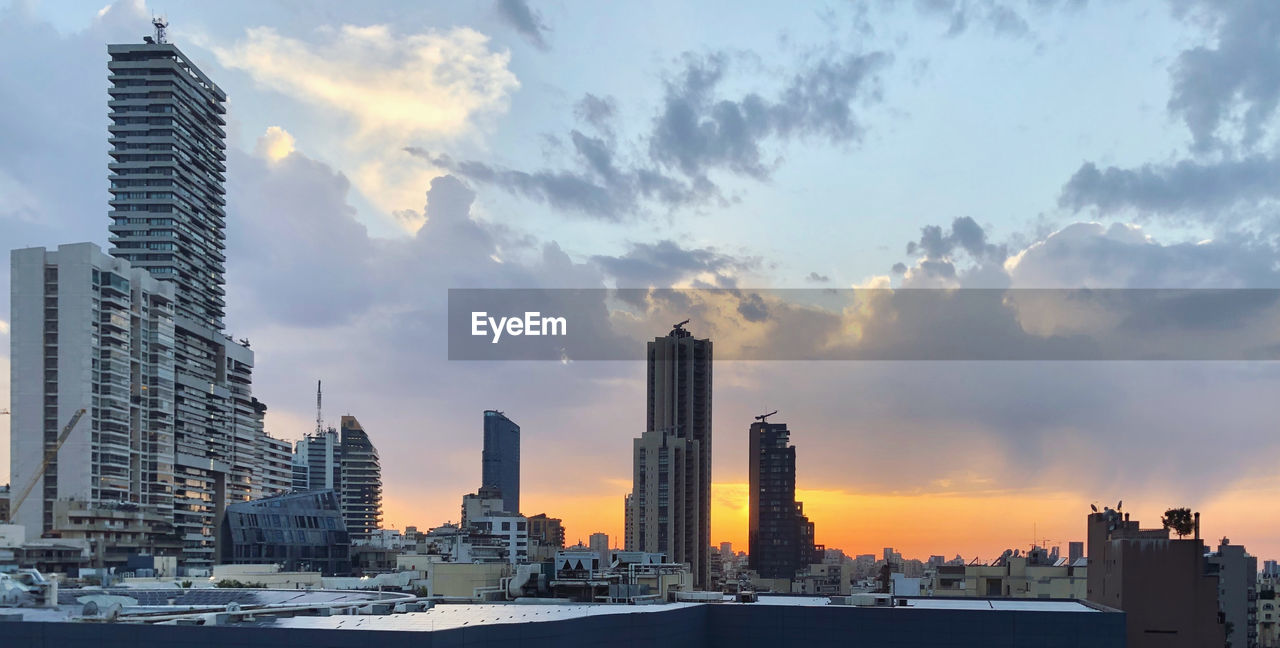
(697,132)
(525,20)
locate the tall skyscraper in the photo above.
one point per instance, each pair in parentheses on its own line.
(167,173)
(670,506)
(779,537)
(500,459)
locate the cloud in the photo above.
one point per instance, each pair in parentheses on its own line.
(524,20)
(275,144)
(697,133)
(596,111)
(1227,91)
(666,263)
(380,88)
(814,277)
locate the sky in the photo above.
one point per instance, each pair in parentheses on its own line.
(380,155)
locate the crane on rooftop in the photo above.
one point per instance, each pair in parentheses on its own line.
(762,417)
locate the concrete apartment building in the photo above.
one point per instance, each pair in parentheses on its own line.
(1165,587)
(1237,593)
(91,331)
(1035,574)
(669,510)
(546,537)
(137,338)
(500,459)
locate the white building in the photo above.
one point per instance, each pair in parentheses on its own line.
(91,332)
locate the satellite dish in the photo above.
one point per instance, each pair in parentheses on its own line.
(1094,507)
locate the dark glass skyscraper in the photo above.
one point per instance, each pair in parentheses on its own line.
(500,459)
(669,510)
(780,537)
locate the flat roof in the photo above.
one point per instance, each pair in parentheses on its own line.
(930,603)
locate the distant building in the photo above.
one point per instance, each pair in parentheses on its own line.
(361,480)
(1035,574)
(599,543)
(1164,586)
(300,532)
(669,510)
(1237,593)
(780,538)
(546,537)
(1075,551)
(500,459)
(345,461)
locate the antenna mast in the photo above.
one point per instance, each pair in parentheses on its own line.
(162,25)
(319,421)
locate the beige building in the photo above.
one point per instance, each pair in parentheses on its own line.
(1032,575)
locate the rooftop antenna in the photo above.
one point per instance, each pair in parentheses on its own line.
(162,25)
(762,417)
(319,421)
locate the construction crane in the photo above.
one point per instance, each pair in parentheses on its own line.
(762,417)
(49,454)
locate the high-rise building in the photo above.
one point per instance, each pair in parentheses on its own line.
(345,461)
(89,331)
(361,480)
(779,536)
(670,507)
(500,459)
(167,174)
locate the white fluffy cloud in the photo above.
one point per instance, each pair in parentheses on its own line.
(382,89)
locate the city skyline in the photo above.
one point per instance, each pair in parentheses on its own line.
(1007,466)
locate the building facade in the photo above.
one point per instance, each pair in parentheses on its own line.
(361,480)
(90,332)
(669,510)
(298,531)
(779,536)
(167,137)
(546,537)
(345,461)
(1237,593)
(1164,586)
(500,459)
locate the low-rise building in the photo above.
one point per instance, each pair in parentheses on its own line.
(301,532)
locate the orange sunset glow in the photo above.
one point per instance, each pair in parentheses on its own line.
(973,525)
